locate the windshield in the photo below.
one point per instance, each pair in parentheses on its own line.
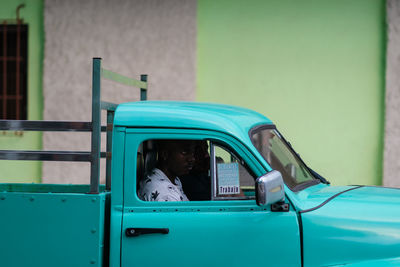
(277,152)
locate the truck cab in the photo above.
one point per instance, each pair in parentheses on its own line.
(227,228)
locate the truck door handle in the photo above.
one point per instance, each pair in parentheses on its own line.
(133,232)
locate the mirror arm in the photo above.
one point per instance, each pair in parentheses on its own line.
(280,206)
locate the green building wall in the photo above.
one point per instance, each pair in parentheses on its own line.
(26,171)
(315,67)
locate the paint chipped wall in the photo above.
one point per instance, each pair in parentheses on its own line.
(133,37)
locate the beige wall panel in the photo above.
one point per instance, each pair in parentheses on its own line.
(391,167)
(133,37)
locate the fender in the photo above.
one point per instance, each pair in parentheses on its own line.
(391,262)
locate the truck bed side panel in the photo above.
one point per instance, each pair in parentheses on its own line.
(47,229)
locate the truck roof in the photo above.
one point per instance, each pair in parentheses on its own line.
(225,118)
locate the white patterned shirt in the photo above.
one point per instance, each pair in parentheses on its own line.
(157,187)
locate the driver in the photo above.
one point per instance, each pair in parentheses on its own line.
(175,158)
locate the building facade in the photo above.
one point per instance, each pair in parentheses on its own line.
(323,71)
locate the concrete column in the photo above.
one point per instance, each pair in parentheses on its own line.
(391,166)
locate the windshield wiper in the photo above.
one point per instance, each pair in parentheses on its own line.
(314,173)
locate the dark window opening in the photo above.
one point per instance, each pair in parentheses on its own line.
(191,170)
(13,71)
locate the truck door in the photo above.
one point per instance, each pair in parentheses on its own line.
(229,229)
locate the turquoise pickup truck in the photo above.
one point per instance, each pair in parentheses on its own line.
(265,206)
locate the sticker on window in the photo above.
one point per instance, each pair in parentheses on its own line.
(228,178)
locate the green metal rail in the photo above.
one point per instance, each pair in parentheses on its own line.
(75,126)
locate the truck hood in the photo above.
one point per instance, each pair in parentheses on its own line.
(354,225)
(321,196)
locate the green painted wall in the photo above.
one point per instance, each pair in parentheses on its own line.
(315,67)
(26,171)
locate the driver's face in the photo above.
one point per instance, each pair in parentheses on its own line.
(181,157)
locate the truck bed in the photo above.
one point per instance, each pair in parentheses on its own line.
(51,225)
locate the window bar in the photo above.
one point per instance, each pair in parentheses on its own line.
(213,172)
(4,70)
(17,84)
(10,96)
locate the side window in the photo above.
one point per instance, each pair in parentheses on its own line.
(190,170)
(232,180)
(173,170)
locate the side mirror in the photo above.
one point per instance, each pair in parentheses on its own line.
(270,189)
